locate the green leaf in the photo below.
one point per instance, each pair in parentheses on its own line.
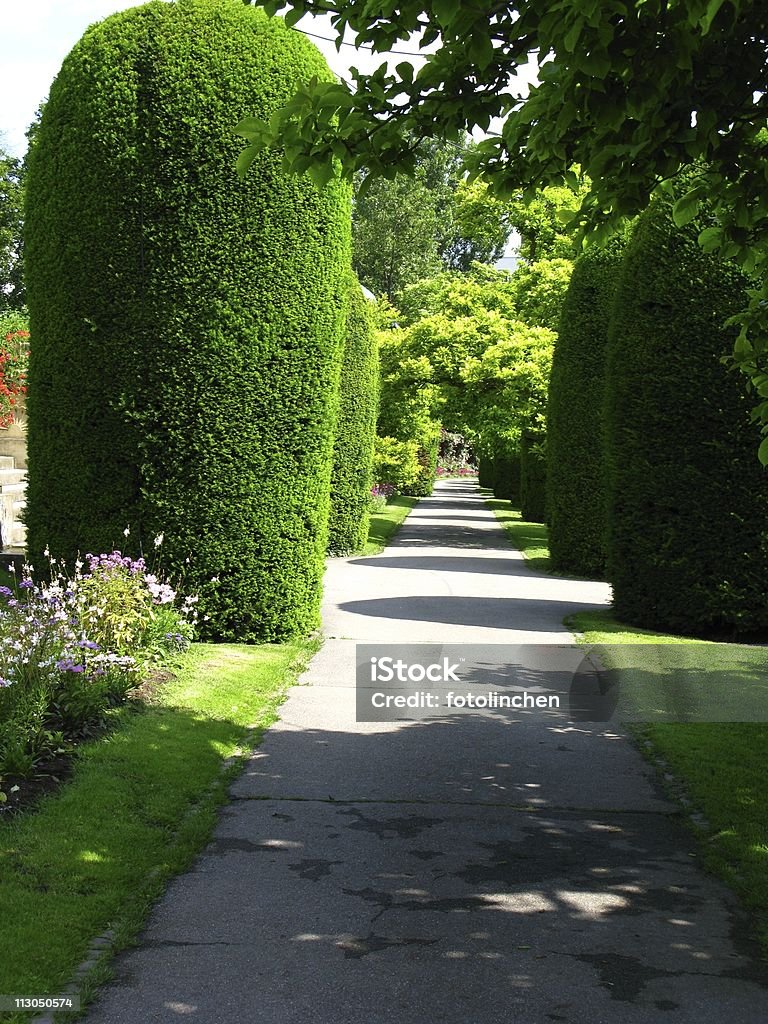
(762,452)
(293,16)
(686,208)
(405,71)
(321,174)
(250,128)
(245,160)
(711,13)
(710,239)
(445,11)
(572,36)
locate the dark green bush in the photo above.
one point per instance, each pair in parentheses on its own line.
(507,477)
(687,497)
(533,479)
(575,464)
(486,476)
(355,430)
(187,324)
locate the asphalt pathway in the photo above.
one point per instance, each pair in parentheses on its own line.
(476,868)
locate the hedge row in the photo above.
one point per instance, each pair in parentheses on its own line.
(187,324)
(575,463)
(687,497)
(355,430)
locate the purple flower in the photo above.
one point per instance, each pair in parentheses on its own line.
(6,591)
(26,585)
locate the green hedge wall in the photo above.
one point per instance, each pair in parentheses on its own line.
(188,324)
(575,463)
(533,479)
(355,430)
(687,498)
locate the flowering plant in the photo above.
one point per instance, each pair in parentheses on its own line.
(380,495)
(73,647)
(14,362)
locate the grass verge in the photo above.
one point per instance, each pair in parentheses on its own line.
(141,803)
(530,538)
(723,767)
(386,523)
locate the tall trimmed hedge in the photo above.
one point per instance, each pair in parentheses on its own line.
(355,430)
(187,324)
(688,499)
(533,478)
(575,463)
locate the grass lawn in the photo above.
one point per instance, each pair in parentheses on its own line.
(386,523)
(530,538)
(724,769)
(141,803)
(722,766)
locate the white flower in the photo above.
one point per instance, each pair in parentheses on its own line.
(126,531)
(159,539)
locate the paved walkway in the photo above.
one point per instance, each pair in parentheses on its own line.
(477,869)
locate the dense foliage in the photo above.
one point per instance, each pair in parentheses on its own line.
(688,501)
(187,324)
(355,429)
(576,468)
(630,92)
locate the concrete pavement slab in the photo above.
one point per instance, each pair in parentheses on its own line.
(491,868)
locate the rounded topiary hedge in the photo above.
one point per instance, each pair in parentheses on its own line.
(687,497)
(575,463)
(187,323)
(355,430)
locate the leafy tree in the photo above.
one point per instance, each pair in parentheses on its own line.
(459,295)
(540,289)
(630,92)
(409,227)
(12,294)
(395,235)
(538,218)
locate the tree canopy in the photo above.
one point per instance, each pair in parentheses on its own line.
(630,91)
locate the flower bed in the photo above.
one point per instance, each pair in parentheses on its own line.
(380,495)
(14,360)
(74,646)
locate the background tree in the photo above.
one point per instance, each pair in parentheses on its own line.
(12,295)
(410,227)
(394,239)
